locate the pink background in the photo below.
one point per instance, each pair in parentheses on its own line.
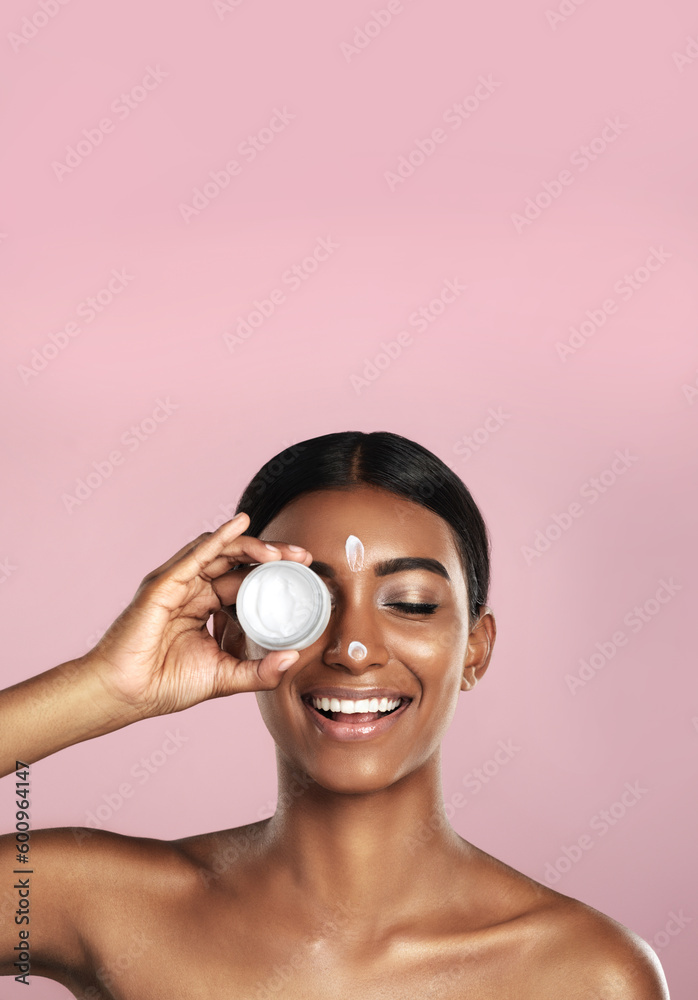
(167,334)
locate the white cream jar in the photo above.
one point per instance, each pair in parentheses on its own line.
(283,605)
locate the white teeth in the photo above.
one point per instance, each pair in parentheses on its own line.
(348,707)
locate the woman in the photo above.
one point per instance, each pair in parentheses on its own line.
(337,893)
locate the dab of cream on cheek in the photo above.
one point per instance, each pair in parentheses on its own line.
(357,650)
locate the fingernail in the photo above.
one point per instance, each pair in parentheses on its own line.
(272,548)
(286,662)
(296,548)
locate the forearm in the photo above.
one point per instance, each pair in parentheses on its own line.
(55,709)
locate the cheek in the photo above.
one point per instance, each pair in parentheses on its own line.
(437,644)
(436,656)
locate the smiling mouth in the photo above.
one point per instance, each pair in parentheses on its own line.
(355,718)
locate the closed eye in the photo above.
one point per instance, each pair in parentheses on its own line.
(414,609)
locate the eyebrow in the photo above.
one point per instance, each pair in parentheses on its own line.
(390,566)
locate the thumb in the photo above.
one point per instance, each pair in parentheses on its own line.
(237,676)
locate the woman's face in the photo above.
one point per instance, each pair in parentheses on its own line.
(376,637)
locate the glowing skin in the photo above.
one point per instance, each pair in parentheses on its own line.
(355,553)
(357,650)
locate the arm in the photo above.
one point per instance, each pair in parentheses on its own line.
(55,709)
(158,657)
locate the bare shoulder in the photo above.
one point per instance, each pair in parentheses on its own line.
(567,947)
(152,868)
(601,958)
(82,884)
(92,865)
(215,855)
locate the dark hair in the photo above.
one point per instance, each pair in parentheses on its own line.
(390,461)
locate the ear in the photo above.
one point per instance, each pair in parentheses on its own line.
(228,633)
(480,646)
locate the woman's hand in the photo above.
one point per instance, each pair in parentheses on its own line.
(159,657)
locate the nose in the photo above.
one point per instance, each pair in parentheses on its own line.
(354,641)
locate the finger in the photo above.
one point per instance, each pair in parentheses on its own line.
(236,676)
(289,551)
(217,552)
(226,585)
(295,553)
(247,548)
(240,523)
(208,563)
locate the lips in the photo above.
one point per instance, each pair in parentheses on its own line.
(358,726)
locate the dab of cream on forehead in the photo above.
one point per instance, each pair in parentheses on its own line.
(357,650)
(355,553)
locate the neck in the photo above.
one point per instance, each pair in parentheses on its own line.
(379,853)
